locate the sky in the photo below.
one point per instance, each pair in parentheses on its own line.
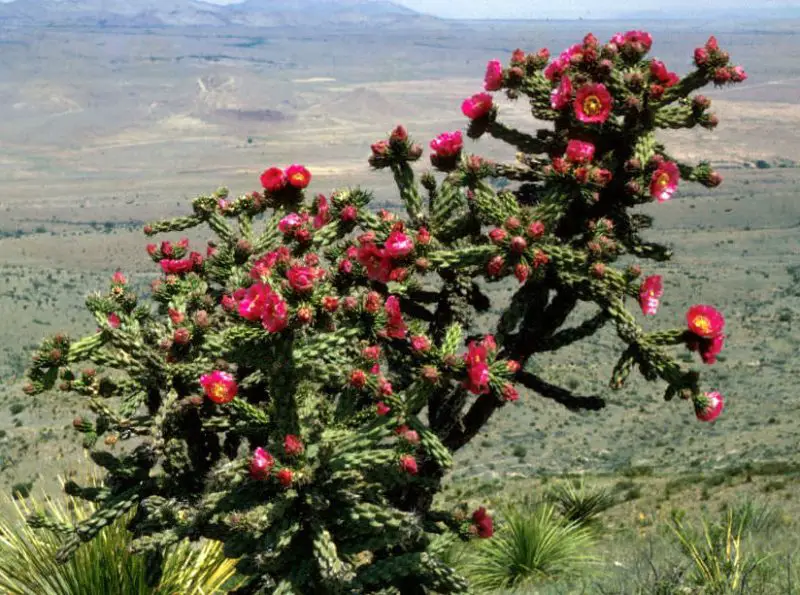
(586,8)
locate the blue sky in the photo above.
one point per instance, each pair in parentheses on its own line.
(587,8)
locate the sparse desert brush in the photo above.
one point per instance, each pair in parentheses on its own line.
(297,388)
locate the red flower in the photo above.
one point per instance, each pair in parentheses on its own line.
(113,320)
(664,182)
(151,249)
(371,353)
(521,272)
(494,76)
(477,106)
(497,235)
(398,244)
(292,445)
(561,95)
(705,321)
(659,71)
(408,464)
(298,176)
(358,378)
(285,477)
(495,266)
(382,408)
(261,464)
(484,526)
(395,326)
(650,294)
(709,406)
(513,366)
(119,278)
(176,267)
(477,369)
(579,151)
(536,229)
(301,279)
(711,348)
(220,387)
(175,316)
(510,393)
(593,104)
(273,179)
(181,336)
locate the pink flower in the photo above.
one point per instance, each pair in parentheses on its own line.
(738,75)
(498,236)
(298,176)
(349,213)
(290,223)
(323,212)
(477,106)
(593,104)
(273,179)
(561,95)
(642,38)
(650,294)
(521,272)
(556,69)
(709,406)
(382,408)
(292,445)
(579,151)
(700,56)
(705,321)
(398,244)
(285,477)
(536,229)
(119,278)
(275,315)
(113,320)
(494,76)
(446,149)
(395,326)
(420,343)
(261,464)
(482,521)
(408,464)
(220,387)
(377,263)
(664,182)
(301,279)
(252,302)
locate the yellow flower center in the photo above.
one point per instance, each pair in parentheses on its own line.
(298,177)
(702,323)
(592,105)
(662,181)
(219,391)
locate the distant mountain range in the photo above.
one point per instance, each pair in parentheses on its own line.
(254,13)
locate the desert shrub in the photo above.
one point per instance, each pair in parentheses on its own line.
(579,503)
(298,390)
(533,546)
(28,563)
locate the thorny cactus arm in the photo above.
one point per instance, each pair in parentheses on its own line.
(297,391)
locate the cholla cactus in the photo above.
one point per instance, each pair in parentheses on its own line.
(298,390)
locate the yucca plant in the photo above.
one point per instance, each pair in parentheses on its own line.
(104,566)
(720,565)
(579,503)
(533,545)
